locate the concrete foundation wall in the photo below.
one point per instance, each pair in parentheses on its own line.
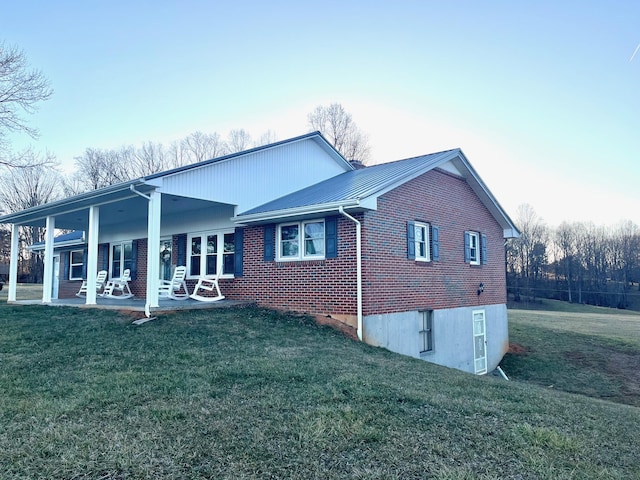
(452,335)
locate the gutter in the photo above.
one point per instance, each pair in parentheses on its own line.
(358,266)
(294,212)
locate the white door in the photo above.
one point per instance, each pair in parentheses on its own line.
(479,342)
(55,284)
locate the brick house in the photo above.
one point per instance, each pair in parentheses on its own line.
(408,253)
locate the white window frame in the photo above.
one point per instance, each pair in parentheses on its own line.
(71,264)
(426,239)
(220,252)
(474,260)
(122,259)
(302,255)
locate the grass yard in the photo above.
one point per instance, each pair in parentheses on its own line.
(249,393)
(587,350)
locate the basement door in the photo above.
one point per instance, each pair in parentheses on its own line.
(479,342)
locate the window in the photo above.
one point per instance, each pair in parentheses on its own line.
(121,258)
(301,241)
(475,248)
(474,254)
(76,264)
(210,253)
(426,331)
(422,242)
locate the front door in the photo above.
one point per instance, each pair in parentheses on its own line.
(55,284)
(479,342)
(165,259)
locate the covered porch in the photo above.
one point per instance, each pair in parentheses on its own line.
(136,209)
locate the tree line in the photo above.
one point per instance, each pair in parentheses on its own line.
(578,262)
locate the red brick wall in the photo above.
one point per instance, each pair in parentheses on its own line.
(139,285)
(316,287)
(393,283)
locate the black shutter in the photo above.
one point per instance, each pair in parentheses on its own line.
(181,244)
(435,243)
(483,252)
(411,240)
(104,247)
(84,264)
(134,259)
(467,247)
(66,261)
(331,237)
(269,242)
(238,252)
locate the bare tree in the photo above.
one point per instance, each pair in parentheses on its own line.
(339,128)
(22,188)
(21,89)
(238,140)
(200,146)
(528,253)
(148,159)
(266,138)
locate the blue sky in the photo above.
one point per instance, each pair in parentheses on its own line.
(540,96)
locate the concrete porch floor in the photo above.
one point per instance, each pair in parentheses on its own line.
(137,304)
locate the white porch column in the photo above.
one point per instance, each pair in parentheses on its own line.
(13,263)
(92,253)
(47,281)
(153,250)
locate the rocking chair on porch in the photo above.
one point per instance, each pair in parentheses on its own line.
(176,288)
(207,284)
(121,284)
(101,278)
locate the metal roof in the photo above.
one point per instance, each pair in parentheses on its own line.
(359,189)
(73,238)
(354,185)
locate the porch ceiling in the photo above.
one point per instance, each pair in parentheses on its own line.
(131,209)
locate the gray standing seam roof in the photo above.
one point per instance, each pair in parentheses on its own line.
(353,185)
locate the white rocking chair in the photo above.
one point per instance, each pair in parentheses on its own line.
(176,288)
(207,284)
(121,284)
(101,278)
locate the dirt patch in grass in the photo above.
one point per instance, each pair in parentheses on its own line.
(517,349)
(620,366)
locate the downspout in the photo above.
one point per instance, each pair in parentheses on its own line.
(358,267)
(133,189)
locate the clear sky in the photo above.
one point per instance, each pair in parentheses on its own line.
(540,96)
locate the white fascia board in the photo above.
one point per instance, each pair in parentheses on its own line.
(294,212)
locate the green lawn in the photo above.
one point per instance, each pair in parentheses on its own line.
(249,393)
(594,352)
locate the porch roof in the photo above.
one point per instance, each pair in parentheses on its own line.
(70,212)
